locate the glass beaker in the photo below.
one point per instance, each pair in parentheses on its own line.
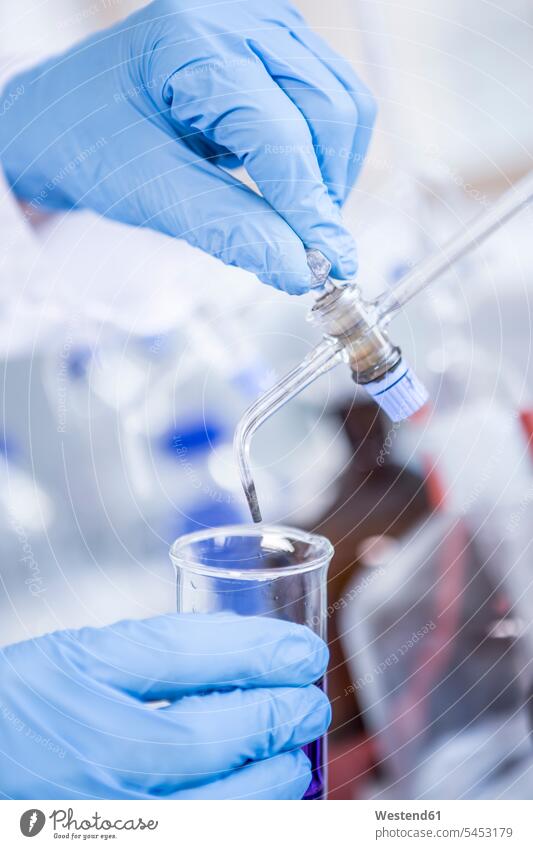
(259,570)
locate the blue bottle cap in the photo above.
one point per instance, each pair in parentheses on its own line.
(399,392)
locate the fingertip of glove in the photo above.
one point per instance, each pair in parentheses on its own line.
(343,257)
(303,763)
(345,268)
(319,653)
(286,281)
(309,651)
(320,660)
(294,286)
(311,710)
(336,242)
(285,263)
(288,273)
(302,767)
(320,708)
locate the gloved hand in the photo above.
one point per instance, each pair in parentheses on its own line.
(76,720)
(135,121)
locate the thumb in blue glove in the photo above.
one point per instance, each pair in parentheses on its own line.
(77,720)
(136,121)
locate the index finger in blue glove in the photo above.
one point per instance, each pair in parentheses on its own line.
(169,656)
(364,101)
(240,107)
(223,731)
(340,116)
(200,738)
(286,776)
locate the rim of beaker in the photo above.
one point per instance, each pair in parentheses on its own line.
(324,551)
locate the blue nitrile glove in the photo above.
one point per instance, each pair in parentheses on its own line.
(76,719)
(135,121)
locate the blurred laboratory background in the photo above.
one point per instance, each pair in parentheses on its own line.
(117,427)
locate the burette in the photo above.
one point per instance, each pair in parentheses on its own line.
(355,332)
